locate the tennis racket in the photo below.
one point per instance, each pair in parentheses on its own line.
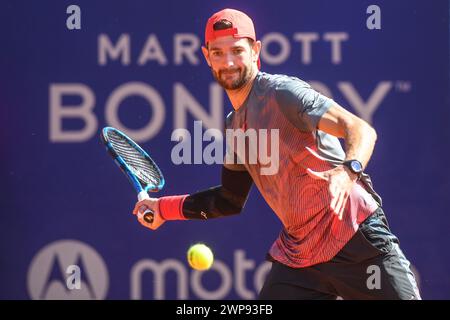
(136,164)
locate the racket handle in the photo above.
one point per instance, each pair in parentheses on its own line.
(148,214)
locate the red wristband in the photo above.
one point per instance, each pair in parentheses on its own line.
(171,207)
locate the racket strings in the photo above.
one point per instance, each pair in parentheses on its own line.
(141,166)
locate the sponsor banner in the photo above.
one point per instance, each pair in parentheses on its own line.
(69,69)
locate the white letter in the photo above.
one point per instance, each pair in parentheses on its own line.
(306,38)
(74,280)
(285,48)
(335,38)
(105,48)
(367,109)
(184,101)
(82,111)
(215,146)
(225,285)
(374,281)
(274,151)
(240,136)
(159,270)
(198,142)
(73,21)
(184,138)
(142,90)
(188,49)
(374,21)
(240,265)
(152,51)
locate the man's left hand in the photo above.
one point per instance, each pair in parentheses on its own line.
(341,181)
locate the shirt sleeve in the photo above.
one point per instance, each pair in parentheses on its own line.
(227,199)
(301,104)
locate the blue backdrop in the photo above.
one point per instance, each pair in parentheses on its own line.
(137,65)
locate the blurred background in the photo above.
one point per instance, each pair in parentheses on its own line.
(66,72)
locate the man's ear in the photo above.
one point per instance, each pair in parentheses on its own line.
(256,49)
(206,55)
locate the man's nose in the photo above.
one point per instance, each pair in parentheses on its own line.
(229,60)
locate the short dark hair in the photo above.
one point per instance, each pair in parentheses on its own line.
(225,24)
(222,25)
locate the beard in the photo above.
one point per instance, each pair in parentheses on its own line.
(223,77)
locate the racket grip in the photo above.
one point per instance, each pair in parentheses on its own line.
(148,214)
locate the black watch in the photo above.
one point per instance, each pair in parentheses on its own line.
(355,166)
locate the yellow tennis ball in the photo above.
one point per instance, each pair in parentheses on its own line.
(200,257)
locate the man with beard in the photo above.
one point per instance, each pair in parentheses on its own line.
(334,229)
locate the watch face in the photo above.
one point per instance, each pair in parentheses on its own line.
(356,166)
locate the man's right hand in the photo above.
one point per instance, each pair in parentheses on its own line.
(152,204)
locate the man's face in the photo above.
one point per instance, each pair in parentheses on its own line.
(231,61)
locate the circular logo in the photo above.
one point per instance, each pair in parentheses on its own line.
(66,270)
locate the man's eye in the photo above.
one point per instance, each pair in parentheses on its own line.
(217,54)
(238,51)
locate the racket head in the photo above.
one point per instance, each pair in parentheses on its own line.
(143,173)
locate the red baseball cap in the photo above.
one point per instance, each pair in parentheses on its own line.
(242,26)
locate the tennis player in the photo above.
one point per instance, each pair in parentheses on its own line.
(335,239)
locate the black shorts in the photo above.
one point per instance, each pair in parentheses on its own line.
(370,266)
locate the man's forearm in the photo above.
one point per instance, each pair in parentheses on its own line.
(224,200)
(359,136)
(213,203)
(360,140)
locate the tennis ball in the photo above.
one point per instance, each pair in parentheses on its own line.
(200,257)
